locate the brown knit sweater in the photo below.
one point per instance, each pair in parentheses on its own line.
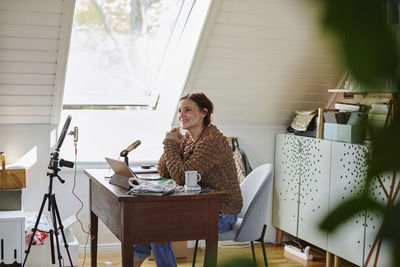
(212,157)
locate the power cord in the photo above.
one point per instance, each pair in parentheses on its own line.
(109,263)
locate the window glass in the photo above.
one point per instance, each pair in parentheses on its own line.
(117,47)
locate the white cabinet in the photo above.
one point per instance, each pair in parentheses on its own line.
(312,176)
(12,236)
(348,169)
(286,187)
(301,194)
(373,222)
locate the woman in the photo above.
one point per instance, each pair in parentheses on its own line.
(203,149)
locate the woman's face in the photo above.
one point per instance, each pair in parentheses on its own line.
(189,114)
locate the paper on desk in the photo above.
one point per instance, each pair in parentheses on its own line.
(142,187)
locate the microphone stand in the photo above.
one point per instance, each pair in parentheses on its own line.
(124,154)
(126,159)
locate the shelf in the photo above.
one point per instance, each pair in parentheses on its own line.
(338,91)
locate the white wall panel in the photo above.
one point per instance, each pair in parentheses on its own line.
(27,43)
(26,89)
(30,18)
(25,110)
(53,6)
(272,52)
(28,67)
(34,42)
(27,79)
(15,119)
(26,100)
(31,31)
(28,56)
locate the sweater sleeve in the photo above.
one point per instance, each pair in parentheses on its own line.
(162,167)
(202,160)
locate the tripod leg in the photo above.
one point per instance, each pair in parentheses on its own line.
(53,259)
(35,228)
(61,227)
(55,226)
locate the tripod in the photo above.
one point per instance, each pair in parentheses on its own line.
(52,207)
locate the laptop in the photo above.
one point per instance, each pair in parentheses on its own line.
(122,173)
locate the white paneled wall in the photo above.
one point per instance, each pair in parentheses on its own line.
(34,43)
(261,60)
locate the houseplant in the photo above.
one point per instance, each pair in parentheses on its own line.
(366,31)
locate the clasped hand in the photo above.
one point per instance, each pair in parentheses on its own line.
(174,134)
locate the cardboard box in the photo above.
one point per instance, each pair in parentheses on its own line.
(180,249)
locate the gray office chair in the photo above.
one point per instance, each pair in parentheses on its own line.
(250,225)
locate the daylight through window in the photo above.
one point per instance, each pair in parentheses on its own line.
(117,47)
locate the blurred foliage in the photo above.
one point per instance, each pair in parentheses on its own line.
(117,14)
(370,49)
(123,16)
(238,262)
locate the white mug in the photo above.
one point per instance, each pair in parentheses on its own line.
(192,178)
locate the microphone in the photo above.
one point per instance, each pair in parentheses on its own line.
(74,133)
(131,147)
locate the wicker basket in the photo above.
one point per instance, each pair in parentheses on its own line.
(12,178)
(10,199)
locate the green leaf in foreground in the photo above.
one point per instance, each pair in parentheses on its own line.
(238,262)
(348,209)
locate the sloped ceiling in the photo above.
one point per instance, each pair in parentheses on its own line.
(259,60)
(34,42)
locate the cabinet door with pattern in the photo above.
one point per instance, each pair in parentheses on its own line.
(380,191)
(286,183)
(314,189)
(348,170)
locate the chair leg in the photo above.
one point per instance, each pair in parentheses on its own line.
(254,254)
(265,255)
(195,252)
(261,239)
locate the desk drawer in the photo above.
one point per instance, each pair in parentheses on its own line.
(190,218)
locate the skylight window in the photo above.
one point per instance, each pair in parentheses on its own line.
(117,48)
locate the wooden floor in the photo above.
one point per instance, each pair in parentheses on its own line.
(275,254)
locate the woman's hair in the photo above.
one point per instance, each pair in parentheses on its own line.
(202,102)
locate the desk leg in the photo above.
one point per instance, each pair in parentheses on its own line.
(127,254)
(94,221)
(210,258)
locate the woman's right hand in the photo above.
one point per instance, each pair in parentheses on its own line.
(174,135)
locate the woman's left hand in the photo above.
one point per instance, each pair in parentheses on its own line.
(174,134)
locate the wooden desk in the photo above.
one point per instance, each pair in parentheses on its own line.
(149,219)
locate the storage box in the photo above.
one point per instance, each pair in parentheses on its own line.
(180,249)
(342,132)
(12,178)
(10,199)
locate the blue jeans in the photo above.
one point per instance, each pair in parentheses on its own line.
(163,253)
